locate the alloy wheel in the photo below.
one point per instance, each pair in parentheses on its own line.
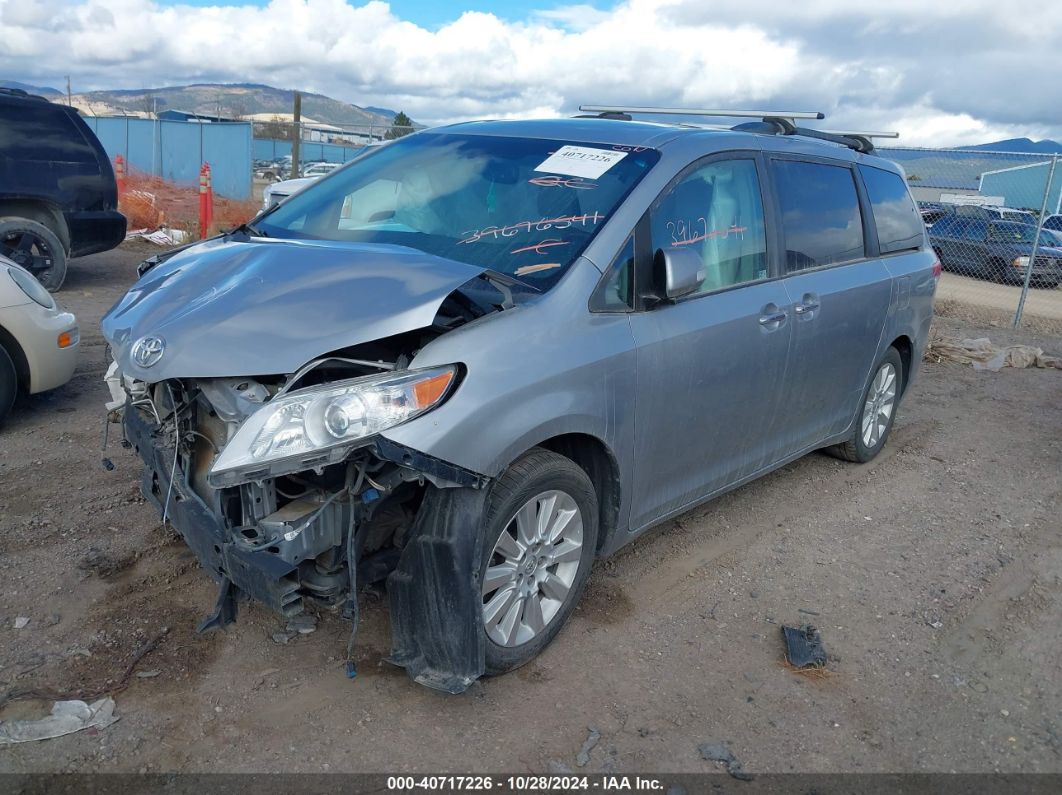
(532,568)
(881,399)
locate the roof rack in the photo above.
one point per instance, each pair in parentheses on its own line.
(771,122)
(863,133)
(743,114)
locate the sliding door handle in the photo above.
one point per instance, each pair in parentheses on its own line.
(773,317)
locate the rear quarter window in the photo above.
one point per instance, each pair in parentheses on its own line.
(820,214)
(36,131)
(896,218)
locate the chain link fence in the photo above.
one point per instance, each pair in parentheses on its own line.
(994,221)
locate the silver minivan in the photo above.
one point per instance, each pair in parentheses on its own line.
(464,365)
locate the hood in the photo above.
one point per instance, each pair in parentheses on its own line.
(229,308)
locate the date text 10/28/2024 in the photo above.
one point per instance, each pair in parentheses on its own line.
(572,783)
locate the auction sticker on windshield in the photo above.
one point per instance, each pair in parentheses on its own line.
(580,161)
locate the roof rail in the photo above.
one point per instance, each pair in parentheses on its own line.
(745,114)
(771,122)
(862,134)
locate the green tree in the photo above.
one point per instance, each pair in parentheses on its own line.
(401,125)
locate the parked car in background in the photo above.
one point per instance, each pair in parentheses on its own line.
(276,193)
(989,212)
(273,170)
(994,250)
(473,361)
(38,338)
(1053,222)
(319,169)
(58,196)
(931,212)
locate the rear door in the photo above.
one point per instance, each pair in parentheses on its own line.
(709,364)
(839,297)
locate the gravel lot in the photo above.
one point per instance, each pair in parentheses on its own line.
(933,573)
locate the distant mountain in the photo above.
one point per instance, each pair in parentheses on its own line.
(382,111)
(1045,147)
(236,100)
(43,91)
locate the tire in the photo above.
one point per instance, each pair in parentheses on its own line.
(36,248)
(510,608)
(998,272)
(859,448)
(8,384)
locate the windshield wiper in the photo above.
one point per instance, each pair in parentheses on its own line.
(493,276)
(503,283)
(248,229)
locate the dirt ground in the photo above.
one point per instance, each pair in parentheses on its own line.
(933,573)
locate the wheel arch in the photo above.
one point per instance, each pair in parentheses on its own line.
(43,212)
(18,356)
(905,348)
(599,463)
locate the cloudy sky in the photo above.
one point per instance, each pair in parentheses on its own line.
(942,73)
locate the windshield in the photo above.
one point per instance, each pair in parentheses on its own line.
(1011,233)
(526,207)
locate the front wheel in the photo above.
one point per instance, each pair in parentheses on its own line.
(539,543)
(876,413)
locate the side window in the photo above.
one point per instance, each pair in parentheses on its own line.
(897,220)
(820,214)
(619,289)
(717,211)
(35,131)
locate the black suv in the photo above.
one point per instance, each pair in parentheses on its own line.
(58,198)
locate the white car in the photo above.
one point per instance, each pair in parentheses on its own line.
(320,169)
(38,338)
(278,191)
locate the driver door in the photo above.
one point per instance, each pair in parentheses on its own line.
(710,364)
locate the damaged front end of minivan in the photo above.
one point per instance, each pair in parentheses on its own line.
(257,406)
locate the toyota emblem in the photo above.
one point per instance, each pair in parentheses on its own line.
(148,350)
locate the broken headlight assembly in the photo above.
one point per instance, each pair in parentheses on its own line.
(318,426)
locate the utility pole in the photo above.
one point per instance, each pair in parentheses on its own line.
(69,98)
(296,135)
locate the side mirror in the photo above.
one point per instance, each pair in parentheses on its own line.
(677,271)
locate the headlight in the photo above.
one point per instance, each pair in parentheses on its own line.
(1020,262)
(319,425)
(31,287)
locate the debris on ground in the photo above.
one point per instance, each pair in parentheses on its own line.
(718,752)
(103,564)
(303,624)
(582,759)
(163,236)
(803,646)
(983,355)
(66,717)
(21,622)
(111,686)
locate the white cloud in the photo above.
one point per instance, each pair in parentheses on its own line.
(941,73)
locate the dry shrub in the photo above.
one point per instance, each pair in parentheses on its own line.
(149,202)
